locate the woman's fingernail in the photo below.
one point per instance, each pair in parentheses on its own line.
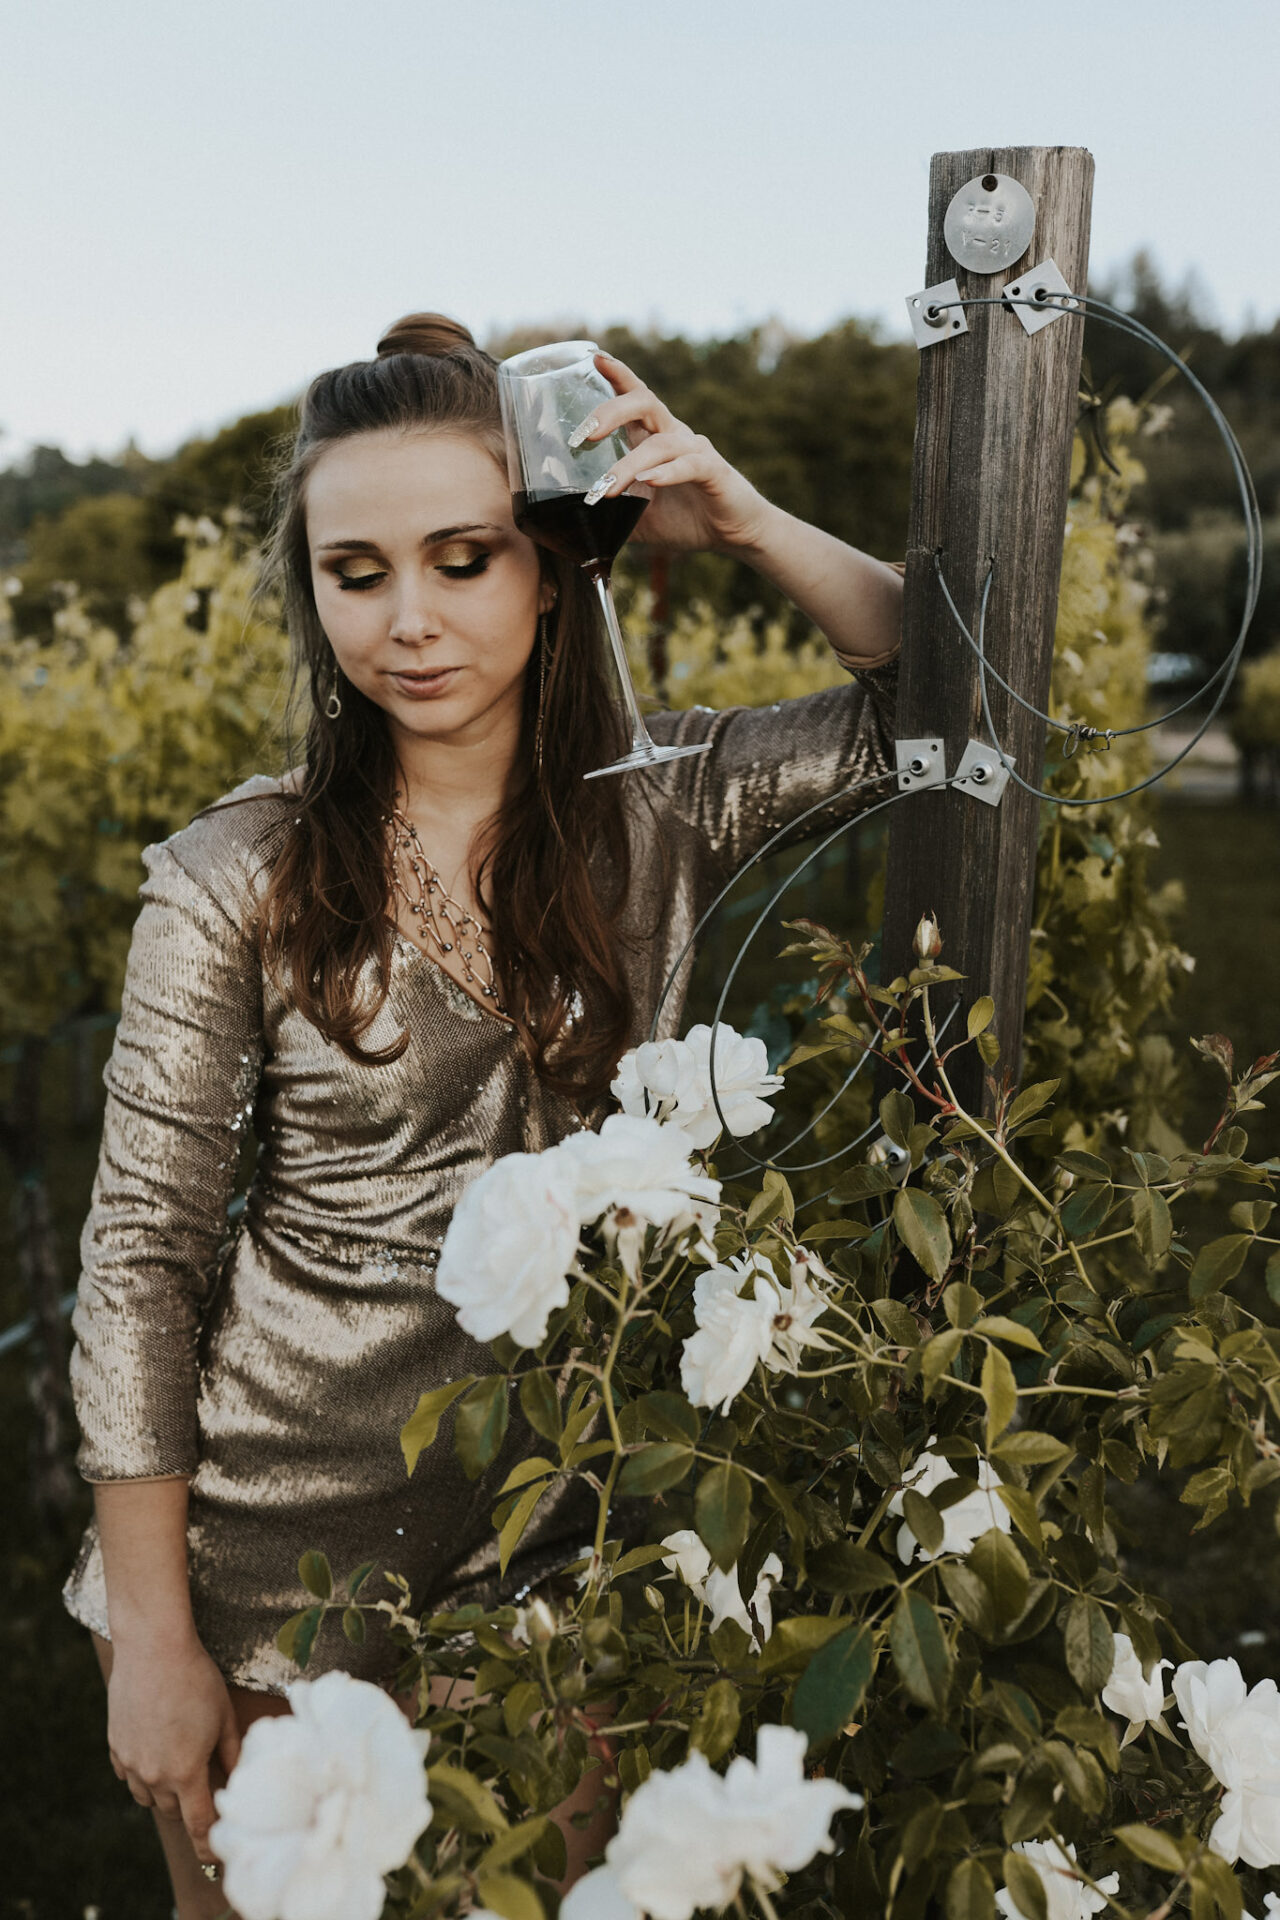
(584,431)
(600,488)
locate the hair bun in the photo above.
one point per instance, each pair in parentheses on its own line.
(430,333)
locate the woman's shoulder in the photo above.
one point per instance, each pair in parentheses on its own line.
(229,845)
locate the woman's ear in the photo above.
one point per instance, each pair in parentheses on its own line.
(548,594)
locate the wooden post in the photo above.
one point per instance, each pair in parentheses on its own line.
(994,425)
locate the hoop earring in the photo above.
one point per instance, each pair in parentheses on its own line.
(333,705)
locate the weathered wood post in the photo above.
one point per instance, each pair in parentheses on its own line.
(996,412)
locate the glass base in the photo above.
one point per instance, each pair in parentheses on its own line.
(647,757)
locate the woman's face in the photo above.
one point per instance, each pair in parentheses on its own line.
(427,590)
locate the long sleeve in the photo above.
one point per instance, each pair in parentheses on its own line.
(769,765)
(180,1088)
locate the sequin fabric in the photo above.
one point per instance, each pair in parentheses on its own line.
(275,1366)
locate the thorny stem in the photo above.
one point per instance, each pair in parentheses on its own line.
(767,1907)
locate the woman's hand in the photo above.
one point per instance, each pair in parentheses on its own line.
(168,1716)
(699,500)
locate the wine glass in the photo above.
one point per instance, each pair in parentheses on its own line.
(545,394)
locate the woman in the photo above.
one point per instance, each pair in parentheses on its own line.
(424,948)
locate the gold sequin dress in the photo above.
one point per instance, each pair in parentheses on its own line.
(276,1367)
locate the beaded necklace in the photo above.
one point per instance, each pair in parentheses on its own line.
(437,916)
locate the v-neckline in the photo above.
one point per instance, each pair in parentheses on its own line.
(420,953)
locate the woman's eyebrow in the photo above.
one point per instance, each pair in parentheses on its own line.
(428,539)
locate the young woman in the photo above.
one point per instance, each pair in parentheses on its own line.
(424,948)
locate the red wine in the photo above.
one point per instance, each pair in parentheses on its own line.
(589,535)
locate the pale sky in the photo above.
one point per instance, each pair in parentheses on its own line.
(203,205)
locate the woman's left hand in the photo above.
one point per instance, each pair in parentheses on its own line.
(699,500)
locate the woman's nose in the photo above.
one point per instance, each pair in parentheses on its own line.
(416,613)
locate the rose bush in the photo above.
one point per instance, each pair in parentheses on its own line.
(853,1478)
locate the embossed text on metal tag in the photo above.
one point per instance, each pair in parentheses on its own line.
(989,223)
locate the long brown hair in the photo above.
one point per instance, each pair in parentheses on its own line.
(554,879)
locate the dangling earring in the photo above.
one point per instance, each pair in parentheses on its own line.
(333,705)
(542,688)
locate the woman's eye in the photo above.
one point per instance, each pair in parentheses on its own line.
(348,581)
(460,569)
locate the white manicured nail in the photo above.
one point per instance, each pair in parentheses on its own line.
(602,486)
(583,431)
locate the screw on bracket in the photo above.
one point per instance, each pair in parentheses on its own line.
(982,773)
(921,763)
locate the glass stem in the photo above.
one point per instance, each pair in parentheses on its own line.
(640,740)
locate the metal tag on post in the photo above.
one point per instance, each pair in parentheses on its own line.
(989,223)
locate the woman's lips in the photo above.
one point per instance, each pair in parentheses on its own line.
(425,686)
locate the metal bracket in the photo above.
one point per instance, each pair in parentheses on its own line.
(982,773)
(921,763)
(943,302)
(1033,285)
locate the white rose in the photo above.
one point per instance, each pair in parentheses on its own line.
(322,1804)
(743,1080)
(966,1521)
(1067,1895)
(597,1896)
(733,1333)
(799,1305)
(721,1591)
(1236,1732)
(509,1248)
(1127,1692)
(654,1079)
(637,1164)
(687,1837)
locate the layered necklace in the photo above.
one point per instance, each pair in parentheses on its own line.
(439,919)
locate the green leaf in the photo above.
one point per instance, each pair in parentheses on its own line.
(722,1512)
(313,1571)
(513,1843)
(859,1183)
(999,1393)
(464,1801)
(1153,1223)
(513,1899)
(920,1651)
(1030,1101)
(419,1430)
(981,1014)
(897,1116)
(922,1228)
(353,1625)
(653,1469)
(970,1892)
(540,1404)
(774,1198)
(795,1639)
(536,1467)
(480,1425)
(357,1579)
(998,1326)
(1154,1848)
(298,1635)
(840,1567)
(671,1415)
(1083,1212)
(899,1323)
(923,1519)
(832,1685)
(519,1704)
(1089,1645)
(1273,1275)
(1030,1449)
(1003,1572)
(1026,1886)
(1088,1164)
(970,1597)
(937,1354)
(1218,1263)
(961,1303)
(575,1426)
(516,1522)
(716,1727)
